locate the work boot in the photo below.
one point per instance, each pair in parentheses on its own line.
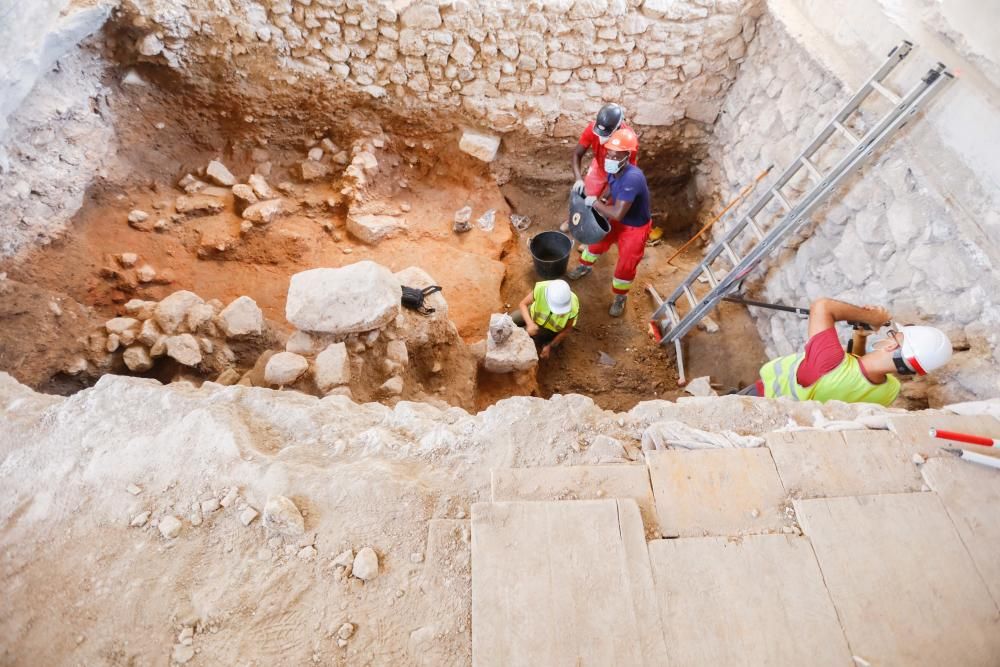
(618,305)
(579,272)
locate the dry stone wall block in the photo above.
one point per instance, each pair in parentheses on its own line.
(332,367)
(263,212)
(137,359)
(184,349)
(356,298)
(285,368)
(204,204)
(242,317)
(171,313)
(481,146)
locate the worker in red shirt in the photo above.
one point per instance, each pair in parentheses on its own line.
(824,371)
(625,203)
(610,118)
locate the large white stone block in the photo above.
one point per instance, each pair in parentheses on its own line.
(355,298)
(481,146)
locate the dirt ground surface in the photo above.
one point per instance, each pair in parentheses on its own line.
(481,272)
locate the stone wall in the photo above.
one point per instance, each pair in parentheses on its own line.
(540,67)
(916,230)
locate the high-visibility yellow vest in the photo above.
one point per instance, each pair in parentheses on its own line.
(845,383)
(543,316)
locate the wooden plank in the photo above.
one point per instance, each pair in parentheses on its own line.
(823,464)
(971,494)
(758,600)
(593,482)
(913,430)
(552,584)
(716,492)
(904,586)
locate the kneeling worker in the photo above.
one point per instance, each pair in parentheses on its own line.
(548,313)
(825,372)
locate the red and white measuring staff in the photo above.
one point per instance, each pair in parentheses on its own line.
(964,437)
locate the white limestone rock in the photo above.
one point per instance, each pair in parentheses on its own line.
(301,343)
(121,326)
(516,352)
(358,297)
(365,564)
(263,212)
(332,367)
(218,174)
(261,187)
(195,204)
(170,527)
(183,348)
(282,516)
(242,317)
(392,387)
(137,359)
(396,351)
(285,368)
(171,313)
(481,146)
(372,229)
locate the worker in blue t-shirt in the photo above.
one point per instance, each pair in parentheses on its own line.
(625,205)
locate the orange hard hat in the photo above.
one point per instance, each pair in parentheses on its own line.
(623,139)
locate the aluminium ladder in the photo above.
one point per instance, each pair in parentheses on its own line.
(667,325)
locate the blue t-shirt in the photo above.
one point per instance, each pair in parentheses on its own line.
(629,184)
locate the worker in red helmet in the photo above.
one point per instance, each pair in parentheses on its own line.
(625,204)
(595,137)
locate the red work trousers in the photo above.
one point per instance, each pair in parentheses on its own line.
(631,247)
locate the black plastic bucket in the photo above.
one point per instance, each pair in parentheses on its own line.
(550,252)
(585,224)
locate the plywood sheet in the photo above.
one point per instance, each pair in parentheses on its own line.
(716,492)
(758,600)
(902,582)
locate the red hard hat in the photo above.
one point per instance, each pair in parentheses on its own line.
(623,139)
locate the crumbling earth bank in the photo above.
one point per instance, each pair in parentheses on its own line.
(226,525)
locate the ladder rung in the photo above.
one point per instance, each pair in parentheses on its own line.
(690,296)
(672,312)
(707,270)
(781,198)
(811,168)
(758,232)
(733,257)
(847,133)
(886,93)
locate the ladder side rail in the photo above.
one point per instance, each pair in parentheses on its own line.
(920,93)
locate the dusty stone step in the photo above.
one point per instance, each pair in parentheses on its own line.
(716,492)
(971,494)
(904,586)
(823,464)
(759,600)
(444,635)
(913,430)
(562,583)
(592,482)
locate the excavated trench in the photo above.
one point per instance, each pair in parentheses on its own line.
(167,128)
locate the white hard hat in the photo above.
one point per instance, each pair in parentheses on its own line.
(925,348)
(559,297)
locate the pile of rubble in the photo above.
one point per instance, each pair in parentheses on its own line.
(194,333)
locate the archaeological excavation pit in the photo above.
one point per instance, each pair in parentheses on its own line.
(208,211)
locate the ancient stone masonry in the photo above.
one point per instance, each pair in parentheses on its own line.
(895,234)
(527,65)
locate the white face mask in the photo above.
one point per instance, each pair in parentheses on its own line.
(876,345)
(603,140)
(612,166)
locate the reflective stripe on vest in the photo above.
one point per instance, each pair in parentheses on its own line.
(779,377)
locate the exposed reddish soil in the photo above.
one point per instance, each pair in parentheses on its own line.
(481,272)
